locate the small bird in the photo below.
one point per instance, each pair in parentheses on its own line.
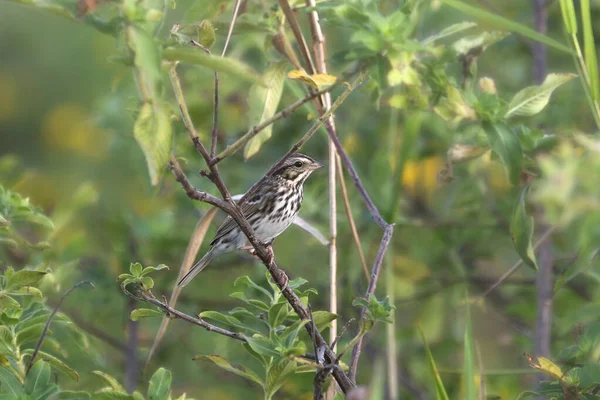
(269,207)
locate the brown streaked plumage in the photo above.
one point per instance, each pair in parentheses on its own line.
(269,208)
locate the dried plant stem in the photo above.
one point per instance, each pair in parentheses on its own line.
(291,18)
(348,209)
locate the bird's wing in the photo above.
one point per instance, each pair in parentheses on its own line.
(252,202)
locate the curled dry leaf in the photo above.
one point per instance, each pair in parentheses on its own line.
(317,81)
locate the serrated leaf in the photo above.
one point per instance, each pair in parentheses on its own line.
(220,64)
(263,105)
(506,144)
(317,81)
(545,365)
(153,132)
(160,385)
(139,313)
(239,370)
(24,277)
(112,382)
(55,363)
(521,230)
(533,99)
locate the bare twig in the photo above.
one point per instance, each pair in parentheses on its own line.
(40,341)
(173,313)
(355,236)
(385,242)
(342,331)
(515,267)
(238,144)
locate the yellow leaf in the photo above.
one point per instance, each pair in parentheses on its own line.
(544,365)
(318,81)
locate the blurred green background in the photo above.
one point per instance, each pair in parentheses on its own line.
(67,109)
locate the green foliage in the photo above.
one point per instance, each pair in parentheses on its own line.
(272,332)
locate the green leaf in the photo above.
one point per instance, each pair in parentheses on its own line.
(469,357)
(485,39)
(521,230)
(277,314)
(263,104)
(152,131)
(70,395)
(206,34)
(323,319)
(589,49)
(147,270)
(262,345)
(9,384)
(146,60)
(31,334)
(26,291)
(226,319)
(24,277)
(108,394)
(55,363)
(506,144)
(505,24)
(278,374)
(139,313)
(135,269)
(219,64)
(533,99)
(112,382)
(449,31)
(160,385)
(37,383)
(585,258)
(568,13)
(589,375)
(250,284)
(239,370)
(8,303)
(440,391)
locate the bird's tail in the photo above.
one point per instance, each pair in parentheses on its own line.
(199,266)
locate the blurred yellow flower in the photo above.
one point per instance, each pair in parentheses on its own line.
(69,127)
(419,177)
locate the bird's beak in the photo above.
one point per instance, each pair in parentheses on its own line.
(316,165)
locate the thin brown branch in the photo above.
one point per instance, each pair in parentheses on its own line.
(355,236)
(40,341)
(515,267)
(385,242)
(238,144)
(291,18)
(173,313)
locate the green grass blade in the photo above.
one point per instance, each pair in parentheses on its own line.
(505,24)
(568,13)
(589,49)
(469,362)
(440,391)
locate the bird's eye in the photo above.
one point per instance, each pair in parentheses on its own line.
(298,164)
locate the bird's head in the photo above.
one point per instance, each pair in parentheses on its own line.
(297,168)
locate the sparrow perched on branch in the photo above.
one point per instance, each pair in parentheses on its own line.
(269,208)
